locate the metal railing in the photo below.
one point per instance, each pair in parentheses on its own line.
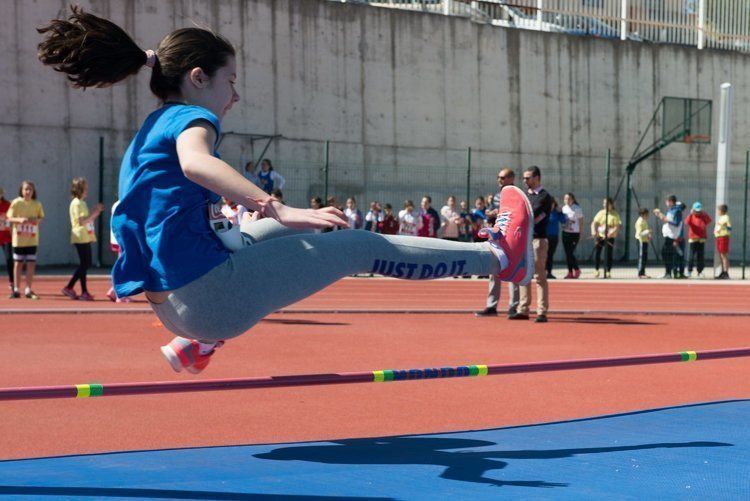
(717,24)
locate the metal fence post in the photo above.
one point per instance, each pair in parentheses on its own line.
(624,20)
(606,216)
(468,177)
(325,174)
(701,24)
(744,219)
(100,227)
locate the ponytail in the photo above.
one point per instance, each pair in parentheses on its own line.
(95,52)
(92,51)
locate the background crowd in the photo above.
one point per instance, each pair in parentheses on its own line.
(682,252)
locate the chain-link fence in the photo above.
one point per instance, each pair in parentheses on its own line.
(467,175)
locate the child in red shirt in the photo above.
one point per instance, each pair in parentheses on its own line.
(697,222)
(5,237)
(389,224)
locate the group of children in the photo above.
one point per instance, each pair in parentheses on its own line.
(683,234)
(19,238)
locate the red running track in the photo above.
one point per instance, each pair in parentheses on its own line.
(102,348)
(374,294)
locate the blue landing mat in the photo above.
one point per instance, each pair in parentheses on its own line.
(698,451)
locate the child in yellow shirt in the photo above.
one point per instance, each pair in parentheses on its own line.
(643,237)
(81,236)
(722,232)
(24,214)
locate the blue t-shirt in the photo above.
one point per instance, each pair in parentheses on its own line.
(161,222)
(553,223)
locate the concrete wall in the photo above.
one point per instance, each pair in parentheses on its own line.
(400,95)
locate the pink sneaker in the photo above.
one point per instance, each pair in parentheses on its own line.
(69,292)
(182,353)
(86,297)
(513,235)
(125,299)
(111,295)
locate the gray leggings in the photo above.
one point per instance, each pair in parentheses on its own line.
(283,266)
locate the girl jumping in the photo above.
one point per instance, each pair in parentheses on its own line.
(171,177)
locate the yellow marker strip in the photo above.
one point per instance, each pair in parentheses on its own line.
(692,356)
(482,370)
(378,376)
(84,391)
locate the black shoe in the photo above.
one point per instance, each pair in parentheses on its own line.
(518,316)
(14,295)
(541,319)
(487,312)
(550,276)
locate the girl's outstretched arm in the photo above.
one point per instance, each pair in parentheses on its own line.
(194,150)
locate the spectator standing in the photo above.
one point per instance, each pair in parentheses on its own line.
(643,237)
(268,178)
(6,239)
(25,213)
(115,247)
(541,203)
(556,217)
(389,225)
(430,219)
(722,232)
(353,214)
(250,173)
(373,218)
(478,218)
(332,202)
(409,221)
(315,204)
(81,236)
(682,244)
(697,223)
(671,231)
(604,229)
(506,177)
(450,219)
(571,233)
(464,228)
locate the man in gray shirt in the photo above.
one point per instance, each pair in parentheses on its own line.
(505,177)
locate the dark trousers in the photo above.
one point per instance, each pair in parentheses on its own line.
(570,242)
(552,247)
(642,258)
(697,256)
(669,255)
(84,259)
(609,243)
(8,253)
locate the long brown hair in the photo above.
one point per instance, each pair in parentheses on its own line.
(95,52)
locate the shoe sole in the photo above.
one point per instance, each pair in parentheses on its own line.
(529,242)
(172,358)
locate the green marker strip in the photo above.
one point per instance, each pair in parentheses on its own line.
(688,356)
(89,390)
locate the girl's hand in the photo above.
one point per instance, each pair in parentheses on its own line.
(327,217)
(99,208)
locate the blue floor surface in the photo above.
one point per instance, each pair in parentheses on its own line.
(698,451)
